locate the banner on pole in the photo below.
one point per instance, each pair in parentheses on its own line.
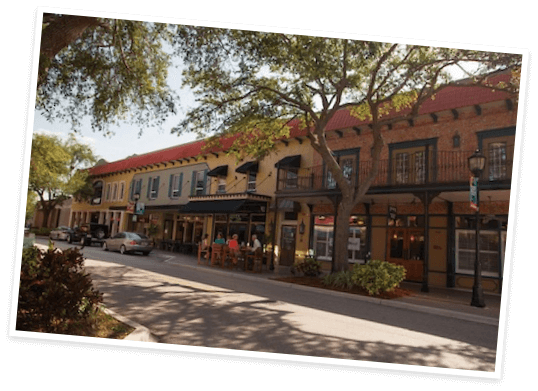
(473,192)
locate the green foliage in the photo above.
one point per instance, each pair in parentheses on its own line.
(341,279)
(310,267)
(106,69)
(378,276)
(43,231)
(375,277)
(55,294)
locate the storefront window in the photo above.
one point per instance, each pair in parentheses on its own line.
(492,244)
(324,236)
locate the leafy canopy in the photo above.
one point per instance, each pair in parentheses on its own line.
(251,84)
(109,70)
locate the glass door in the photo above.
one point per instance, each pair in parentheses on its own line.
(287,245)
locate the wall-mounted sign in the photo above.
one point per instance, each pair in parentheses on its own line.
(392,212)
(139,208)
(130,207)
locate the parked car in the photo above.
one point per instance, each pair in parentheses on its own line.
(128,242)
(88,233)
(60,233)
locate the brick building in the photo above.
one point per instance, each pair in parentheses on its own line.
(417,212)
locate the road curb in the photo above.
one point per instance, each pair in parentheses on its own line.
(140,333)
(389,303)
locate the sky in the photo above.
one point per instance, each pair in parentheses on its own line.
(126,140)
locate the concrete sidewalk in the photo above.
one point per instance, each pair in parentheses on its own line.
(449,302)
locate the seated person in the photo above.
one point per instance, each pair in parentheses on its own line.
(255,244)
(205,245)
(220,239)
(233,244)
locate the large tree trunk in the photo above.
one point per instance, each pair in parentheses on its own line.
(57,35)
(341,236)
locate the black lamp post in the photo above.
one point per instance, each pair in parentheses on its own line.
(477,162)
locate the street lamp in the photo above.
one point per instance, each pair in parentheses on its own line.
(477,162)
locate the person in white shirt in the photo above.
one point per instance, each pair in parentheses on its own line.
(255,244)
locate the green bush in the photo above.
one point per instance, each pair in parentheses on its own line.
(309,267)
(55,294)
(43,231)
(378,276)
(339,280)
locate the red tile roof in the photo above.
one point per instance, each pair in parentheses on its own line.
(448,98)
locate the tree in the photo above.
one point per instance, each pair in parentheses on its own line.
(57,171)
(252,84)
(105,69)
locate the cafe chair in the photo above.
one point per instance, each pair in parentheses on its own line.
(203,254)
(216,254)
(256,259)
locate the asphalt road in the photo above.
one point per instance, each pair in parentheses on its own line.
(196,307)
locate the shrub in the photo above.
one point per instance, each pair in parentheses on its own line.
(339,280)
(309,267)
(378,276)
(55,294)
(43,231)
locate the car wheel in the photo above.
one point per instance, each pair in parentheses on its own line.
(123,250)
(105,246)
(145,253)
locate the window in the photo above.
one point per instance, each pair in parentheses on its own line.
(489,252)
(97,193)
(221,185)
(497,156)
(291,178)
(404,162)
(251,181)
(176,183)
(122,191)
(153,188)
(115,191)
(323,237)
(199,184)
(136,188)
(108,191)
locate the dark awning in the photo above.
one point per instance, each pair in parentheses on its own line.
(248,166)
(289,161)
(219,171)
(224,206)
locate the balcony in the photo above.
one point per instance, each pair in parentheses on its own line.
(413,171)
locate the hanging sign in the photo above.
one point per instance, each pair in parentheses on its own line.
(139,208)
(473,193)
(130,207)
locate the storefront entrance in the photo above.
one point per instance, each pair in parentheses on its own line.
(405,247)
(287,246)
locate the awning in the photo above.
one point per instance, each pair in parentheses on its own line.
(219,171)
(206,207)
(224,206)
(248,166)
(289,161)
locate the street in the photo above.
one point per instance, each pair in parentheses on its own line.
(195,306)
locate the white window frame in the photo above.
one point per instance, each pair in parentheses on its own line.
(221,185)
(199,178)
(176,191)
(251,184)
(108,192)
(485,273)
(115,191)
(153,190)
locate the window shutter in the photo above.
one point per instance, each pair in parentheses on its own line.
(170,185)
(193,181)
(149,188)
(138,186)
(180,185)
(131,191)
(205,181)
(156,185)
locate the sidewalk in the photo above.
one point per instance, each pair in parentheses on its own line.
(449,302)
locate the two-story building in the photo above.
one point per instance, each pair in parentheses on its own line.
(417,212)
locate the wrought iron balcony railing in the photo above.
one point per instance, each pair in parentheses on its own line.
(404,170)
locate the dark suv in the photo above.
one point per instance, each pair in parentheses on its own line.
(89,233)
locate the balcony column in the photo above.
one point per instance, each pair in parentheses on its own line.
(426,198)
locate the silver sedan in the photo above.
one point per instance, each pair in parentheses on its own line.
(128,242)
(60,233)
